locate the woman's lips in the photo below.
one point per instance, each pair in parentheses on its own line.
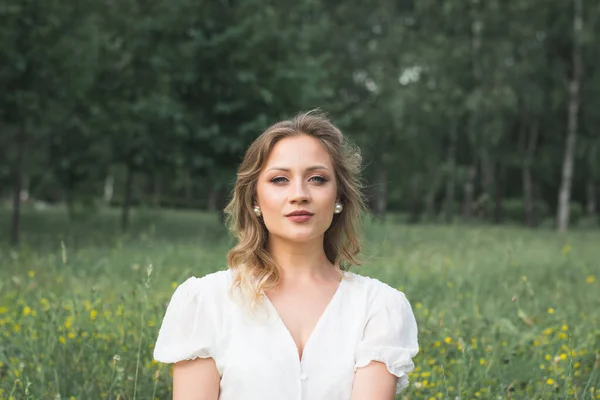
(299,218)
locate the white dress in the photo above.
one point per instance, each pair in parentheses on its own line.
(257,358)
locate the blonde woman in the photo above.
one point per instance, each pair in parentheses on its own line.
(287,320)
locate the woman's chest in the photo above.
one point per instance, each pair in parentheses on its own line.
(263,354)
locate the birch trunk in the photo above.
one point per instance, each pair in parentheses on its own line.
(564,196)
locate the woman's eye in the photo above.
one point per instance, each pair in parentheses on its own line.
(278,179)
(319,179)
(281,179)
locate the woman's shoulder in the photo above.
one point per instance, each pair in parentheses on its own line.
(211,285)
(374,289)
(193,319)
(212,278)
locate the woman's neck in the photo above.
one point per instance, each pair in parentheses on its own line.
(300,262)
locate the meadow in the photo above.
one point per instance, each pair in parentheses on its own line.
(503,312)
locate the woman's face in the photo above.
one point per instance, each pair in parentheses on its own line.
(297,176)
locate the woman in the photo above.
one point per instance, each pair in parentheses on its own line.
(287,320)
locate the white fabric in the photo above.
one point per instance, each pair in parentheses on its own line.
(257,357)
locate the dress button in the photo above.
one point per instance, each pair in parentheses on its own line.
(303,377)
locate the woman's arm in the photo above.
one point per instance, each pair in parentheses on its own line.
(196,380)
(374,382)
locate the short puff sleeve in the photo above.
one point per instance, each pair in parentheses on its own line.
(390,335)
(188,327)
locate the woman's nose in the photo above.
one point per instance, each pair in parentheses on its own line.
(300,192)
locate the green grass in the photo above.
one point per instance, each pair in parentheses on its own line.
(503,312)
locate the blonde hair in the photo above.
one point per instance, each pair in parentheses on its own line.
(256,269)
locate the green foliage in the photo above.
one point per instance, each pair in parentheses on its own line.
(429,90)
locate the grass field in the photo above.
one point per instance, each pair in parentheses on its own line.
(503,312)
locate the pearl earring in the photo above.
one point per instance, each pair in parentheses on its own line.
(338,208)
(257,211)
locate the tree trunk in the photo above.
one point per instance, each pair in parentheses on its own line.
(449,200)
(564,195)
(498,212)
(469,189)
(188,191)
(157,189)
(381,193)
(592,199)
(527,162)
(593,152)
(414,215)
(476,134)
(430,204)
(487,181)
(213,198)
(109,184)
(528,200)
(430,198)
(416,199)
(127,199)
(70,202)
(17,187)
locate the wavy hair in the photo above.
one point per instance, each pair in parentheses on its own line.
(256,270)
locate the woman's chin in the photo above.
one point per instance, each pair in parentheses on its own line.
(300,237)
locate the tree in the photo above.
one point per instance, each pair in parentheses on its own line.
(564,195)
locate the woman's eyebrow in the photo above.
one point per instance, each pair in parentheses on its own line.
(313,168)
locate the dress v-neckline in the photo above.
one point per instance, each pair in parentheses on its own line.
(315,329)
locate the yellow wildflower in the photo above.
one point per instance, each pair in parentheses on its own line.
(31,274)
(551,310)
(45,304)
(590,279)
(26,311)
(550,381)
